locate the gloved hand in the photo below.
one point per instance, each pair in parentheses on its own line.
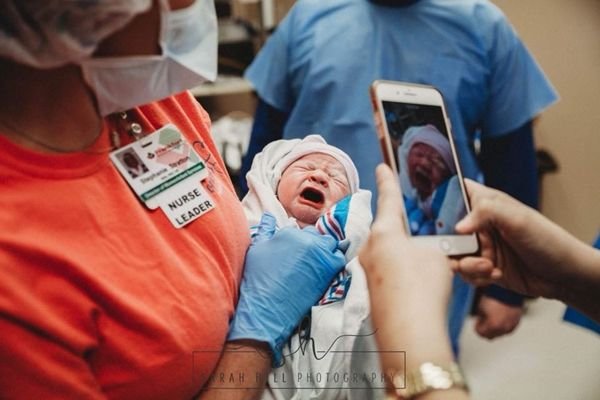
(285,273)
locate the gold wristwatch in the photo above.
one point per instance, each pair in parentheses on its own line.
(428,377)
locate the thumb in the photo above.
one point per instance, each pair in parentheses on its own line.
(481,326)
(471,223)
(478,218)
(389,201)
(266,228)
(327,241)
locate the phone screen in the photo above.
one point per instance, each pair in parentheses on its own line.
(428,170)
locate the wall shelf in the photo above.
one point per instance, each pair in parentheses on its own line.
(224,85)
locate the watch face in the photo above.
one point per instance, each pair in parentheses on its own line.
(428,377)
(435,377)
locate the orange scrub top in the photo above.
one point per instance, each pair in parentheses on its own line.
(101,297)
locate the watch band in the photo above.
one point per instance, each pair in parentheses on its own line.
(428,377)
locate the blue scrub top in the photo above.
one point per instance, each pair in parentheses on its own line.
(322,58)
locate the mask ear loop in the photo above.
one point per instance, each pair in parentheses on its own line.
(165,9)
(164,5)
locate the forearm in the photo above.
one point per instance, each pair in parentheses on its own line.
(422,344)
(571,266)
(416,335)
(241,373)
(582,289)
(410,324)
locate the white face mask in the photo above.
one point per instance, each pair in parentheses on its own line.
(188,39)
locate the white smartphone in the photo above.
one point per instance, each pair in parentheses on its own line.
(416,140)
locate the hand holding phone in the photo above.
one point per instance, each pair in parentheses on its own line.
(416,140)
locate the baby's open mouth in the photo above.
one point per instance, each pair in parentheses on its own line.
(313,195)
(422,178)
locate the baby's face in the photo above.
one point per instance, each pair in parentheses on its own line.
(426,169)
(311,185)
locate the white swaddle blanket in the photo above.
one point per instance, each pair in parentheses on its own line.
(323,364)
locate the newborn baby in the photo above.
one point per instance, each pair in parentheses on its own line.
(308,182)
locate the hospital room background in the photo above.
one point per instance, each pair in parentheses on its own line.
(545,357)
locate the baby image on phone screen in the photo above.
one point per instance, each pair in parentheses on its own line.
(307,183)
(431,190)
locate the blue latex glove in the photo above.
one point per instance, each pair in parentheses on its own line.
(285,273)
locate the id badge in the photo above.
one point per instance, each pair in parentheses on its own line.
(185,202)
(157,163)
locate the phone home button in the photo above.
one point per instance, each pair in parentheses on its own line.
(445,245)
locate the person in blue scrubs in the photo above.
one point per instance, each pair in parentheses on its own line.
(314,72)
